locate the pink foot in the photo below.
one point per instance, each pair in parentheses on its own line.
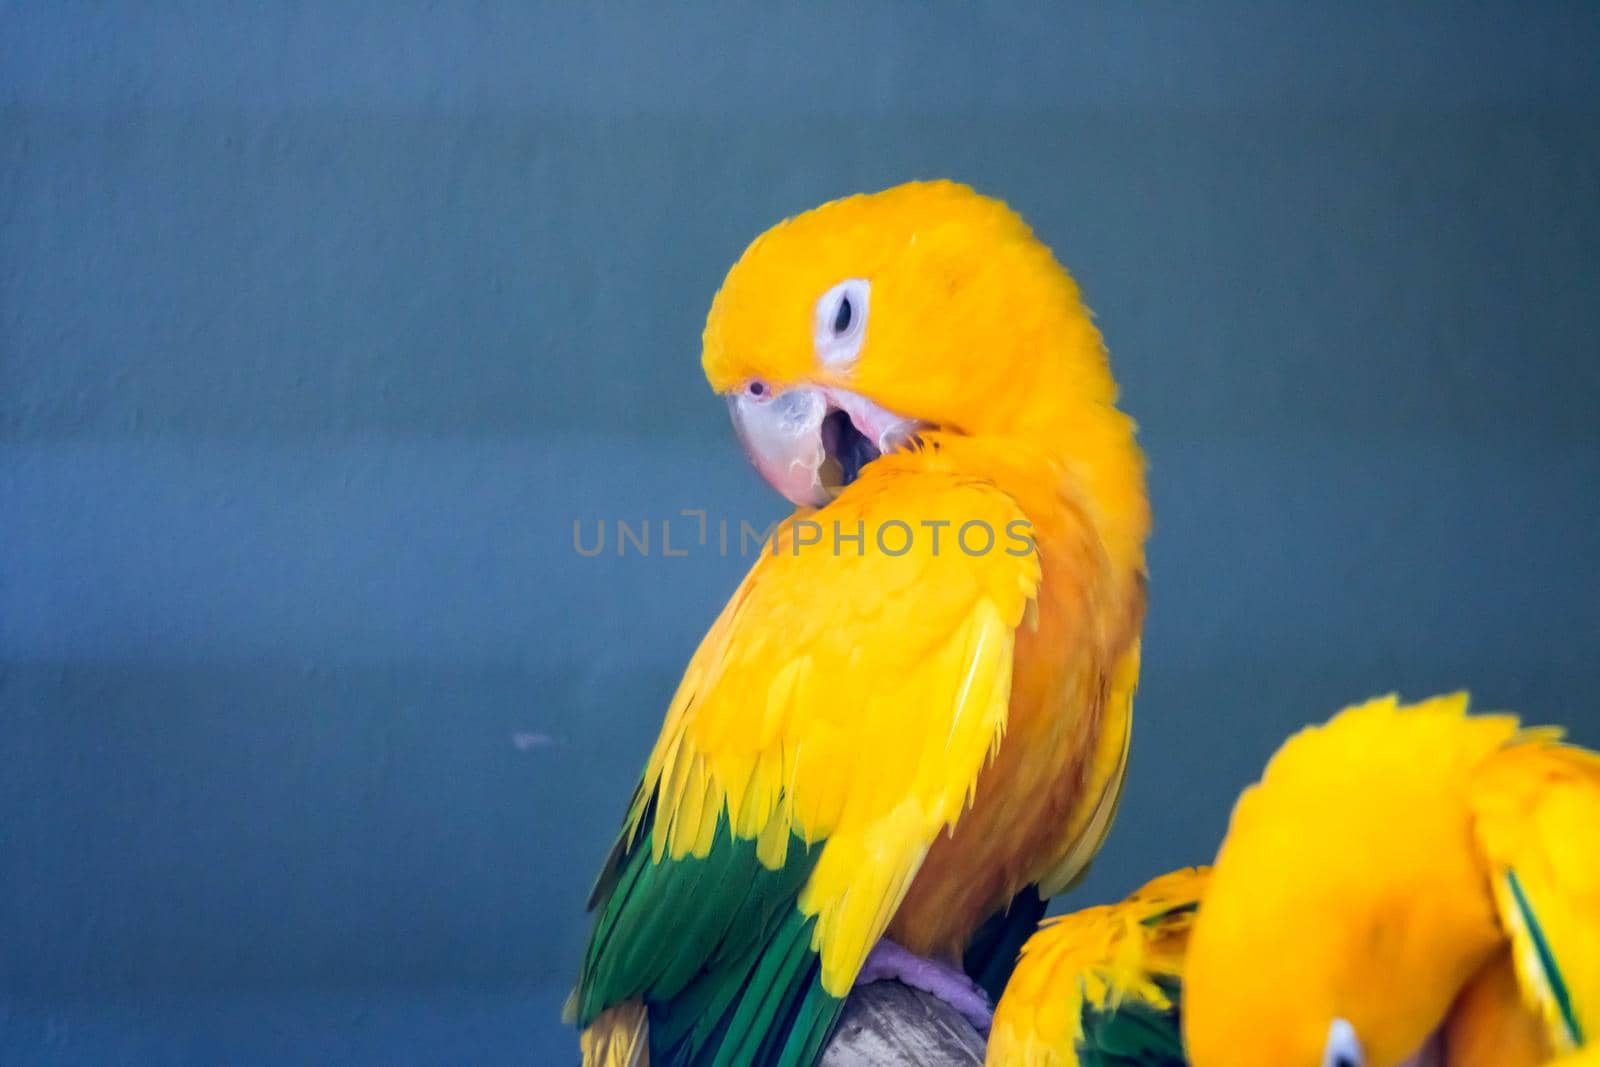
(889,962)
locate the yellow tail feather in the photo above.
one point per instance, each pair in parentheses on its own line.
(620,1037)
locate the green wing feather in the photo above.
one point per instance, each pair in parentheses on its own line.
(715,948)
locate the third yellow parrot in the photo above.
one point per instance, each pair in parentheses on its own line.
(915,707)
(1404,885)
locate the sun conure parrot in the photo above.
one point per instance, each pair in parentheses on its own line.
(1405,884)
(1102,987)
(883,737)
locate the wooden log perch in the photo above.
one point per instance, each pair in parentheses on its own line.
(886,1024)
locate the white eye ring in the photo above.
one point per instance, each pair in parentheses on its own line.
(1343,1048)
(841,322)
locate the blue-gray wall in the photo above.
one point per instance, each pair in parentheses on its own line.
(320,324)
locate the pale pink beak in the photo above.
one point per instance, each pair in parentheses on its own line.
(811,442)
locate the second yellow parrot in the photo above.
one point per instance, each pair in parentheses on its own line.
(1102,987)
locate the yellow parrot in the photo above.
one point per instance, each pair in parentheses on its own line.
(1102,987)
(916,705)
(1404,885)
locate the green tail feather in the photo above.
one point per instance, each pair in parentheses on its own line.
(716,949)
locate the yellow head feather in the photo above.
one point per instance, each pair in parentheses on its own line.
(1349,887)
(973,326)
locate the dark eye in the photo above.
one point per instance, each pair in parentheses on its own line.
(843,317)
(839,325)
(757,388)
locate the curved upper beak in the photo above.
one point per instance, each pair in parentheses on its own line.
(811,442)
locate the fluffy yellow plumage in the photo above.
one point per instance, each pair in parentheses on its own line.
(759,730)
(903,740)
(1386,872)
(1100,959)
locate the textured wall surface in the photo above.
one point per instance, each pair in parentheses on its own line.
(321,324)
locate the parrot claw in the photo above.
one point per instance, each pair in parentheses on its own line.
(890,962)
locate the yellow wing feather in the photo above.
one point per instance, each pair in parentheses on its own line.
(1537,812)
(849,694)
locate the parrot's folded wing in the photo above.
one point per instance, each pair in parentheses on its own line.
(1102,986)
(1537,811)
(830,726)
